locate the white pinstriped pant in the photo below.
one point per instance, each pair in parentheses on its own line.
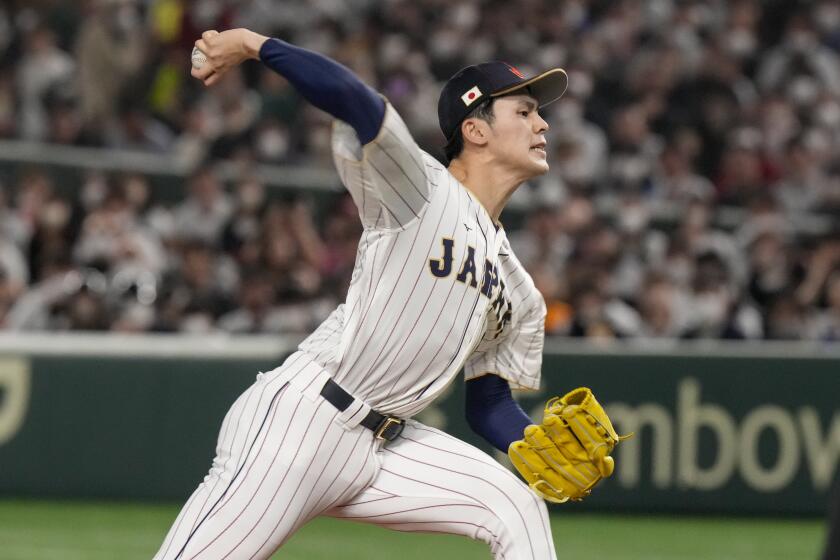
(285,456)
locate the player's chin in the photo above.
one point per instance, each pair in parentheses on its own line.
(538,165)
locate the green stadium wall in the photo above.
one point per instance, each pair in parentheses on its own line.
(714,432)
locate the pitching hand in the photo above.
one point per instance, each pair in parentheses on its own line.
(224,51)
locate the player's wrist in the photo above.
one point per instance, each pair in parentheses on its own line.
(252,42)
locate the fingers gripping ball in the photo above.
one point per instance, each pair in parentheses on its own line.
(198,58)
(569,453)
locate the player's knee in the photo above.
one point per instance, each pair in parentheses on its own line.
(519,525)
(534,506)
(530,506)
(542,509)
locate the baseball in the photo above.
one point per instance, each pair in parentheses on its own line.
(198,58)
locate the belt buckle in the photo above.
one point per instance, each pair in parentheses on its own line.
(390,429)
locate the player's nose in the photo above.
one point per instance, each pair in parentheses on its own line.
(540,124)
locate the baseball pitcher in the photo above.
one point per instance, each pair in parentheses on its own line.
(436,289)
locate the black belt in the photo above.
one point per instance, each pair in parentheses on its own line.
(384,427)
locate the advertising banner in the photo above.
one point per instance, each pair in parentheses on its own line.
(742,433)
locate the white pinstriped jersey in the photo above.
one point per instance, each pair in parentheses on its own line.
(435,287)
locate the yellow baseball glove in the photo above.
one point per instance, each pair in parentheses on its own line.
(569,453)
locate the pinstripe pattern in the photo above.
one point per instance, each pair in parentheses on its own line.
(432,482)
(265,482)
(285,455)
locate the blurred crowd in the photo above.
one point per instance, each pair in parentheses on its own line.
(694,190)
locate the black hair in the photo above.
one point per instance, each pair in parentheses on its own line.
(455,145)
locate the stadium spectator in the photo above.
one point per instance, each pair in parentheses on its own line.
(256,312)
(826,325)
(111,50)
(202,215)
(662,316)
(43,69)
(201,290)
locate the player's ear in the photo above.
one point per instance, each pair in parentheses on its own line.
(475,131)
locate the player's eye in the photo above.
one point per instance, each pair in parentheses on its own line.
(523,113)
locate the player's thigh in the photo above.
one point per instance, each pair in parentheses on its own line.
(247,421)
(431,481)
(296,461)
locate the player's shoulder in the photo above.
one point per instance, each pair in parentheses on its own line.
(434,168)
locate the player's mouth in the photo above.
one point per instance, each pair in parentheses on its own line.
(539,148)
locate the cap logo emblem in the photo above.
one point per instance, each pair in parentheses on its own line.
(516,71)
(471,96)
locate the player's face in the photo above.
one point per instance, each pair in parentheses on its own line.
(518,135)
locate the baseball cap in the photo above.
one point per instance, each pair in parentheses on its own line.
(471,85)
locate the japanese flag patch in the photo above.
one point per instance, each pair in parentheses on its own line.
(471,96)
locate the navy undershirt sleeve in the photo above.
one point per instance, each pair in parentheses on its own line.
(327,85)
(492,413)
